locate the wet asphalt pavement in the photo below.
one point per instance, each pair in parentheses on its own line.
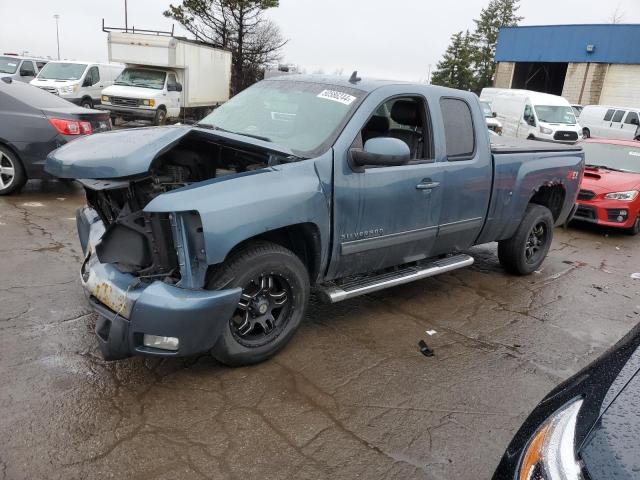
(350,397)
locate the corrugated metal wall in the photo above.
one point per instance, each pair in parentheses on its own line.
(568,43)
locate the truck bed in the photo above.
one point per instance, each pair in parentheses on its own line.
(519,145)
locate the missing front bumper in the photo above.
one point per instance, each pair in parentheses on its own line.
(129,308)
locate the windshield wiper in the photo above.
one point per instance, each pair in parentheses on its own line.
(604,167)
(258,137)
(210,126)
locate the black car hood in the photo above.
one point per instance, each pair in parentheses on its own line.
(612,448)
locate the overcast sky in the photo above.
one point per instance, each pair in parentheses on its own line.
(382,38)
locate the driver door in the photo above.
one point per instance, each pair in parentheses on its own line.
(173,96)
(386,216)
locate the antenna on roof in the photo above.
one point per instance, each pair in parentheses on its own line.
(354,77)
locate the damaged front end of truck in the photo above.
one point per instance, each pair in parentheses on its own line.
(146,265)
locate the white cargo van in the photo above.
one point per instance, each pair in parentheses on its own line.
(166,78)
(78,82)
(535,115)
(610,122)
(22,69)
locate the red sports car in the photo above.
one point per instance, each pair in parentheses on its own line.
(610,190)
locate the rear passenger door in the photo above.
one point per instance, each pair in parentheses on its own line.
(468,175)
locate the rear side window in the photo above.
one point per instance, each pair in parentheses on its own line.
(632,119)
(458,129)
(609,115)
(618,116)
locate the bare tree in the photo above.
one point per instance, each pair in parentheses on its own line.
(237,25)
(618,15)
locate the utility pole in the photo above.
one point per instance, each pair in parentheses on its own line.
(126,23)
(57,17)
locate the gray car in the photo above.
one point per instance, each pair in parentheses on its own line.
(32,124)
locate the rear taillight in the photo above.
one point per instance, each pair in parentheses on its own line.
(71,127)
(85,128)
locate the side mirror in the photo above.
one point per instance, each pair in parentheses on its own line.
(494,114)
(634,121)
(382,152)
(87,82)
(174,88)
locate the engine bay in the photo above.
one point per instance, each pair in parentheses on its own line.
(141,243)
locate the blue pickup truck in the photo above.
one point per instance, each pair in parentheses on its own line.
(209,238)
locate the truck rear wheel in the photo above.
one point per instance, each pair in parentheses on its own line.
(275,293)
(523,253)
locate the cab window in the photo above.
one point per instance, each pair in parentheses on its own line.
(27,69)
(403,118)
(458,129)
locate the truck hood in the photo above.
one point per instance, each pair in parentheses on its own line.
(127,153)
(132,92)
(115,154)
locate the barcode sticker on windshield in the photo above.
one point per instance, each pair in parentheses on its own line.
(340,97)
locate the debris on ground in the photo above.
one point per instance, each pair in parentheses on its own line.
(424,349)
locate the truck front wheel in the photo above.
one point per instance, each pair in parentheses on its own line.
(275,292)
(523,253)
(160,117)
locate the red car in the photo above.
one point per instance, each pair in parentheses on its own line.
(610,190)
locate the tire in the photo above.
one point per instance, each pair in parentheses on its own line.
(86,103)
(161,117)
(523,253)
(265,320)
(586,133)
(635,230)
(12,174)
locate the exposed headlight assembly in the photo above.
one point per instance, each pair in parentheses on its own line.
(550,454)
(626,196)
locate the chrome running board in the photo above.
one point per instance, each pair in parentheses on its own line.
(336,293)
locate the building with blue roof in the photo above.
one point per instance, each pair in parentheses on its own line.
(587,64)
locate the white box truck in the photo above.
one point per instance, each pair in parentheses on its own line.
(165,78)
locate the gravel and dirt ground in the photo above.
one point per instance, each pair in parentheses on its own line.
(350,397)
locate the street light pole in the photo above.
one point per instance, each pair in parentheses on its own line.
(56,16)
(126,24)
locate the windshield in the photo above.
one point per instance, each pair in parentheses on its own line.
(486,109)
(304,117)
(555,114)
(616,157)
(8,64)
(139,77)
(62,71)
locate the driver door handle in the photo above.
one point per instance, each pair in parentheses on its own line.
(427,184)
